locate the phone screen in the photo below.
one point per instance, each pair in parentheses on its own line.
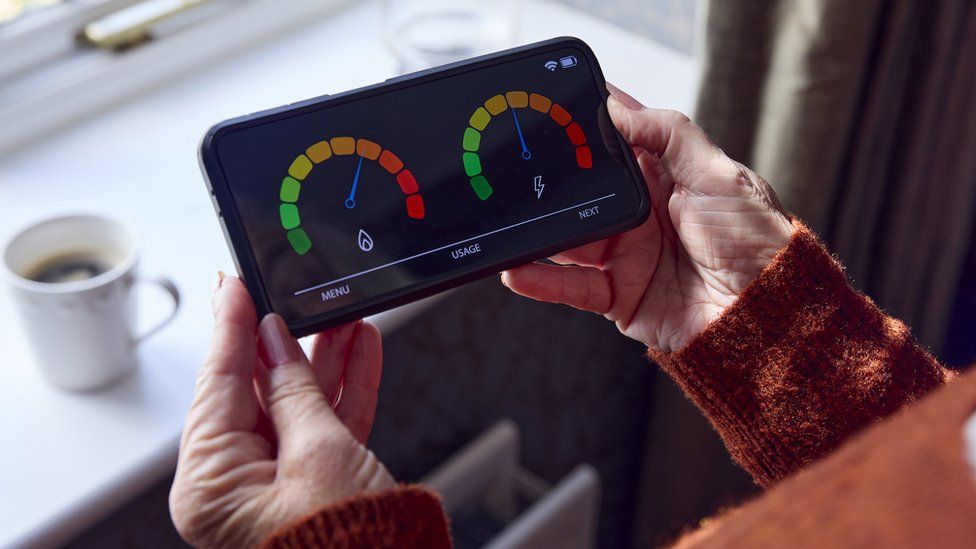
(380,193)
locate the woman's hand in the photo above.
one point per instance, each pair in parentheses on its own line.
(713,227)
(264,443)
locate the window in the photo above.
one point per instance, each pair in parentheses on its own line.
(75,57)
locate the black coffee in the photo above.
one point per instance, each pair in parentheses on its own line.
(70,267)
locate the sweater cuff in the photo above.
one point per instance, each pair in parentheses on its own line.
(405,516)
(799,362)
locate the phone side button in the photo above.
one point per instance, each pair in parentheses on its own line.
(213,200)
(305,102)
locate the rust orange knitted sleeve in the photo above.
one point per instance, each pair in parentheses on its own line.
(903,483)
(798,363)
(406,516)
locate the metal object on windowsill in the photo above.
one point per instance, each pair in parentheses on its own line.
(133,25)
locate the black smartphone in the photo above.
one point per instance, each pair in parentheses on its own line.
(347,205)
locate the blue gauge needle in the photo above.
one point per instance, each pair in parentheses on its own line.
(351,199)
(525,150)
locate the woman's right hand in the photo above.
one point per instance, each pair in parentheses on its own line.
(713,227)
(274,435)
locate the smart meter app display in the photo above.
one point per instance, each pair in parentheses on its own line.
(382,193)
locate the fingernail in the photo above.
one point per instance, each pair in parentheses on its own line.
(276,345)
(624,98)
(218,282)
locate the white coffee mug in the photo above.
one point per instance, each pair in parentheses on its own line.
(82,332)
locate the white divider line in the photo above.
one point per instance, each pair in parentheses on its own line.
(451,245)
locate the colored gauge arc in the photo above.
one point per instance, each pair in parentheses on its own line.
(324,150)
(514,100)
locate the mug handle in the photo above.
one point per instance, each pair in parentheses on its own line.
(170,288)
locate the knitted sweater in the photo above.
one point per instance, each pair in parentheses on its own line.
(800,369)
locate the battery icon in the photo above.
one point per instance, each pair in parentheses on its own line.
(567,62)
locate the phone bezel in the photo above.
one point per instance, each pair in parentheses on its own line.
(233,226)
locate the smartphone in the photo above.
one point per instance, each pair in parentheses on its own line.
(343,206)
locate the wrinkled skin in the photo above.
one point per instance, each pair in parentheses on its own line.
(713,227)
(263,444)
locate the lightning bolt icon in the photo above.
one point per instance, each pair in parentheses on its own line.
(539,185)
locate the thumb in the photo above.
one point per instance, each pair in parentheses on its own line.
(681,145)
(653,130)
(685,151)
(224,399)
(293,399)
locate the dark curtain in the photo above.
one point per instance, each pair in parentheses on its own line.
(861,116)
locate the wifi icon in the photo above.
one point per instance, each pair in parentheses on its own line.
(551,65)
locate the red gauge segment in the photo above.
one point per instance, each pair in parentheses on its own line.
(584,157)
(407,182)
(575,133)
(415,206)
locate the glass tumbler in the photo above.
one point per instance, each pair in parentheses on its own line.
(426,33)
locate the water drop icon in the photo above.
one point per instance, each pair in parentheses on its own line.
(365,241)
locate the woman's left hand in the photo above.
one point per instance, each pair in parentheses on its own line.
(265,442)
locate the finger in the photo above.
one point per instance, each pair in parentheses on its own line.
(295,403)
(262,426)
(584,288)
(328,357)
(650,129)
(224,399)
(587,255)
(357,405)
(659,185)
(672,136)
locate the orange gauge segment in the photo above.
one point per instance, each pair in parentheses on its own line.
(368,149)
(560,115)
(390,162)
(319,152)
(343,145)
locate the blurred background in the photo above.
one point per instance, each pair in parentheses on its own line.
(860,115)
